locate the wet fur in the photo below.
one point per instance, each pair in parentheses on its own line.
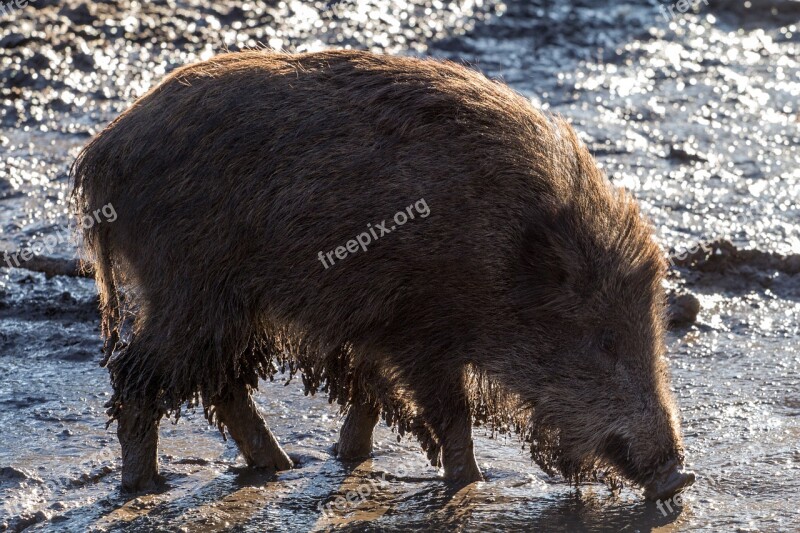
(232,174)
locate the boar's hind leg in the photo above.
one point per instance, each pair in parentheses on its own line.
(355,438)
(445,408)
(137,430)
(237,411)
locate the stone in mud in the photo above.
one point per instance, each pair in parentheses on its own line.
(788,10)
(83,61)
(13,40)
(686,154)
(10,476)
(37,62)
(80,14)
(26,520)
(522,289)
(683,309)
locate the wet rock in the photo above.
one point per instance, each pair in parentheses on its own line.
(236,13)
(755,14)
(13,40)
(37,61)
(792,264)
(27,520)
(26,401)
(42,4)
(5,187)
(83,62)
(80,14)
(59,105)
(191,461)
(685,154)
(10,116)
(10,476)
(25,78)
(78,356)
(682,310)
(789,9)
(723,257)
(54,266)
(92,477)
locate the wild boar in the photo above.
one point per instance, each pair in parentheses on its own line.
(238,181)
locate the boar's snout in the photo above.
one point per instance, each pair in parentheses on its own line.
(668,480)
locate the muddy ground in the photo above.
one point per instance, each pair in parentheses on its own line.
(697,114)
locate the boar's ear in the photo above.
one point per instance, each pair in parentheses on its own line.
(546,265)
(541,261)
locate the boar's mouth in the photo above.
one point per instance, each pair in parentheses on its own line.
(556,454)
(617,451)
(659,484)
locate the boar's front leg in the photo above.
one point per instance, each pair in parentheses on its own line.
(442,398)
(137,430)
(355,438)
(237,411)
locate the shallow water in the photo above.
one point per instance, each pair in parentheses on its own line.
(697,116)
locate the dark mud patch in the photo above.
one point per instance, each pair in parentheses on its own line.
(54,266)
(722,257)
(682,309)
(756,13)
(723,265)
(10,476)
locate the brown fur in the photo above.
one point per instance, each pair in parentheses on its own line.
(530,297)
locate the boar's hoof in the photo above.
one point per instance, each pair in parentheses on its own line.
(137,483)
(355,438)
(463,476)
(271,458)
(667,481)
(461,468)
(345,453)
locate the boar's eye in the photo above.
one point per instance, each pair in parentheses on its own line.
(606,341)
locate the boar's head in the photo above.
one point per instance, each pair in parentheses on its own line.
(590,299)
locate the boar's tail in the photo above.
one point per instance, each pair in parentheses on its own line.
(109,298)
(87,173)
